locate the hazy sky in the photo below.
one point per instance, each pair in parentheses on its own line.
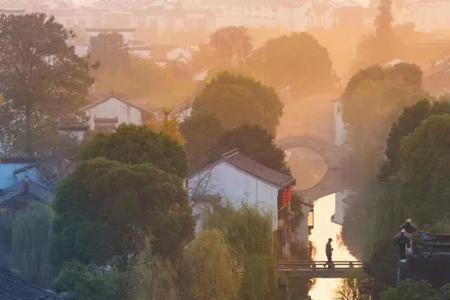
(81,2)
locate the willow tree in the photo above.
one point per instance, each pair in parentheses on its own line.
(32,232)
(152,277)
(249,232)
(210,263)
(39,72)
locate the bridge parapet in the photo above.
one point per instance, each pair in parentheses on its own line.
(319,269)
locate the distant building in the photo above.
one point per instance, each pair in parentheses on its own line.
(241,180)
(21,184)
(108,113)
(139,49)
(126,33)
(74,128)
(437,77)
(181,113)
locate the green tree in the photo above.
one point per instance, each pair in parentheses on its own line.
(210,264)
(48,139)
(407,122)
(412,290)
(254,142)
(383,45)
(40,72)
(237,100)
(201,131)
(233,44)
(133,144)
(78,282)
(249,233)
(372,100)
(109,50)
(32,232)
(425,157)
(152,277)
(354,288)
(296,62)
(106,208)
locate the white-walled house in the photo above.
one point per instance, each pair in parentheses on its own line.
(241,180)
(108,113)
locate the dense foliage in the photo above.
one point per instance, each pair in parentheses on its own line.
(413,184)
(372,100)
(236,100)
(211,268)
(32,232)
(296,62)
(122,72)
(151,277)
(415,290)
(408,121)
(255,143)
(201,131)
(105,208)
(249,233)
(138,145)
(232,44)
(40,72)
(80,282)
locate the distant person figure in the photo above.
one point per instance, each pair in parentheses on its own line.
(403,242)
(329,251)
(409,228)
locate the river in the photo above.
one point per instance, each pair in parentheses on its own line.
(325,289)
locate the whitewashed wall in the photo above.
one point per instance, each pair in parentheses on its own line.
(114,108)
(237,187)
(340,126)
(340,207)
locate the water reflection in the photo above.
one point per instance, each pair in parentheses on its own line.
(325,289)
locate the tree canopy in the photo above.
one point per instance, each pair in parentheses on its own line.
(133,144)
(407,122)
(254,142)
(109,50)
(32,232)
(39,72)
(233,44)
(80,282)
(210,264)
(201,131)
(120,71)
(372,100)
(236,100)
(297,62)
(383,45)
(106,208)
(414,290)
(249,233)
(425,157)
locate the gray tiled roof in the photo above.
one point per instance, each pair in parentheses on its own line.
(38,191)
(256,169)
(13,288)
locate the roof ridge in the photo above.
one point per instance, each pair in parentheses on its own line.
(231,153)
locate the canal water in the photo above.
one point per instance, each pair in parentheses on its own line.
(324,228)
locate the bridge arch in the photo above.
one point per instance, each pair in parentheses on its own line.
(336,158)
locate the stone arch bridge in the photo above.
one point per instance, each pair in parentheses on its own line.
(336,158)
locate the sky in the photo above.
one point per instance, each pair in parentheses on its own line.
(82,2)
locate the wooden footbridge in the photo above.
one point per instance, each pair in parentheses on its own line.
(291,269)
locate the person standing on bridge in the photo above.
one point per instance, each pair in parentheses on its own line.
(409,228)
(329,251)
